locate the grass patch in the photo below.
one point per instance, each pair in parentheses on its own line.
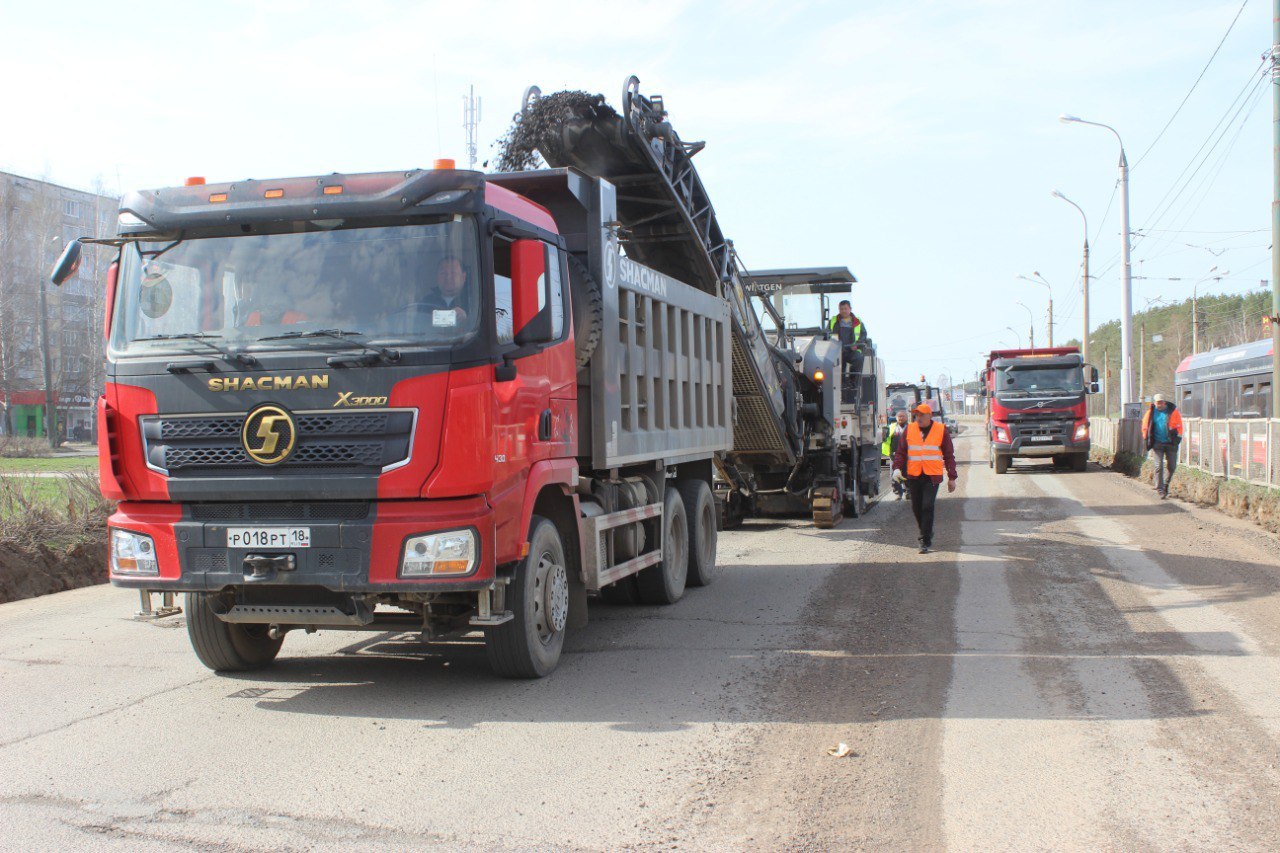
(48,464)
(52,534)
(24,446)
(43,510)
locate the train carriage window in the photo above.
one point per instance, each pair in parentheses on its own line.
(1264,399)
(1188,403)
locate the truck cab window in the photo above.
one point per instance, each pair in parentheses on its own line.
(502,291)
(557,292)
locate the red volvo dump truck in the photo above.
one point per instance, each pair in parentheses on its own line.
(434,400)
(1037,406)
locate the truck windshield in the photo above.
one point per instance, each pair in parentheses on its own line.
(1027,381)
(405,284)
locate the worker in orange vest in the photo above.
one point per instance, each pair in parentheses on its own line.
(1162,429)
(922,457)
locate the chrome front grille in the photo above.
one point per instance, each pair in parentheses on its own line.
(350,442)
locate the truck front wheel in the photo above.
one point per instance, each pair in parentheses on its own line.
(1002,463)
(227,646)
(529,645)
(1079,462)
(664,583)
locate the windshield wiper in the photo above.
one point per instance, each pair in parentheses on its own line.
(372,352)
(206,340)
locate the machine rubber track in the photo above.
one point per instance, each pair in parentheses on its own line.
(828,508)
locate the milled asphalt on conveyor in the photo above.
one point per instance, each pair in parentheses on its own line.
(1079,666)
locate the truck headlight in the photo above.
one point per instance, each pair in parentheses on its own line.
(133,554)
(1002,435)
(452,552)
(1082,430)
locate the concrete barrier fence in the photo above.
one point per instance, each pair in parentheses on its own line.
(1245,449)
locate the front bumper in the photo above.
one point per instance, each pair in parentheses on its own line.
(1022,447)
(360,555)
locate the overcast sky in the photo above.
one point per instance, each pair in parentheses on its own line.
(915,142)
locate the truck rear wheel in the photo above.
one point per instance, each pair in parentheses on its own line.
(529,645)
(1002,463)
(664,583)
(700,507)
(227,646)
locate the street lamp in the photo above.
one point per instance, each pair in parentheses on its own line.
(1195,306)
(46,361)
(1084,275)
(1126,280)
(1039,279)
(1016,335)
(1033,324)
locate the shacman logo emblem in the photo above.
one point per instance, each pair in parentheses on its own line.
(268,435)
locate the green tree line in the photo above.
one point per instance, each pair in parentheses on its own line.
(1165,333)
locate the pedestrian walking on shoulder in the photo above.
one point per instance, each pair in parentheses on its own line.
(923,456)
(893,434)
(1162,429)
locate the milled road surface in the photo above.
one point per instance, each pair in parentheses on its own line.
(1079,666)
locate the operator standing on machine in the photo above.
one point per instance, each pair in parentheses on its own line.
(924,454)
(849,330)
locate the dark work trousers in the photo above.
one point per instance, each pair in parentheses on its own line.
(1164,454)
(852,359)
(924,495)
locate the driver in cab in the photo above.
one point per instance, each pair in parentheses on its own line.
(451,285)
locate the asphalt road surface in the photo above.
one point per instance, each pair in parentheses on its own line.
(1079,666)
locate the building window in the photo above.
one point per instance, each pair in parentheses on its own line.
(71,208)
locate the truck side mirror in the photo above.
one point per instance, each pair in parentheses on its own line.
(68,263)
(530,307)
(1094,386)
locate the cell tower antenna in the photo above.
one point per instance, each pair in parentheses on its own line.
(471,123)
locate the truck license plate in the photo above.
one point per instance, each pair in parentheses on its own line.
(268,537)
(1040,438)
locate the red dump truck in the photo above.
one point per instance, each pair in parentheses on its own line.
(436,401)
(1037,406)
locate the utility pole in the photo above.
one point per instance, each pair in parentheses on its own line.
(1106,382)
(1275,209)
(1050,289)
(1142,360)
(471,123)
(1195,324)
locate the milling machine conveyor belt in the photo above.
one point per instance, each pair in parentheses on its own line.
(667,222)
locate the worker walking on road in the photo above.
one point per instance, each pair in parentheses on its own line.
(1162,428)
(893,434)
(923,455)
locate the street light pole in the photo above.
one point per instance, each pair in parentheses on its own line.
(1031,338)
(1016,336)
(50,407)
(1126,281)
(1084,276)
(1039,279)
(1195,308)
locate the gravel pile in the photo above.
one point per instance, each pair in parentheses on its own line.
(541,124)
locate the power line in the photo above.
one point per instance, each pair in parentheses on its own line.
(1196,163)
(1186,97)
